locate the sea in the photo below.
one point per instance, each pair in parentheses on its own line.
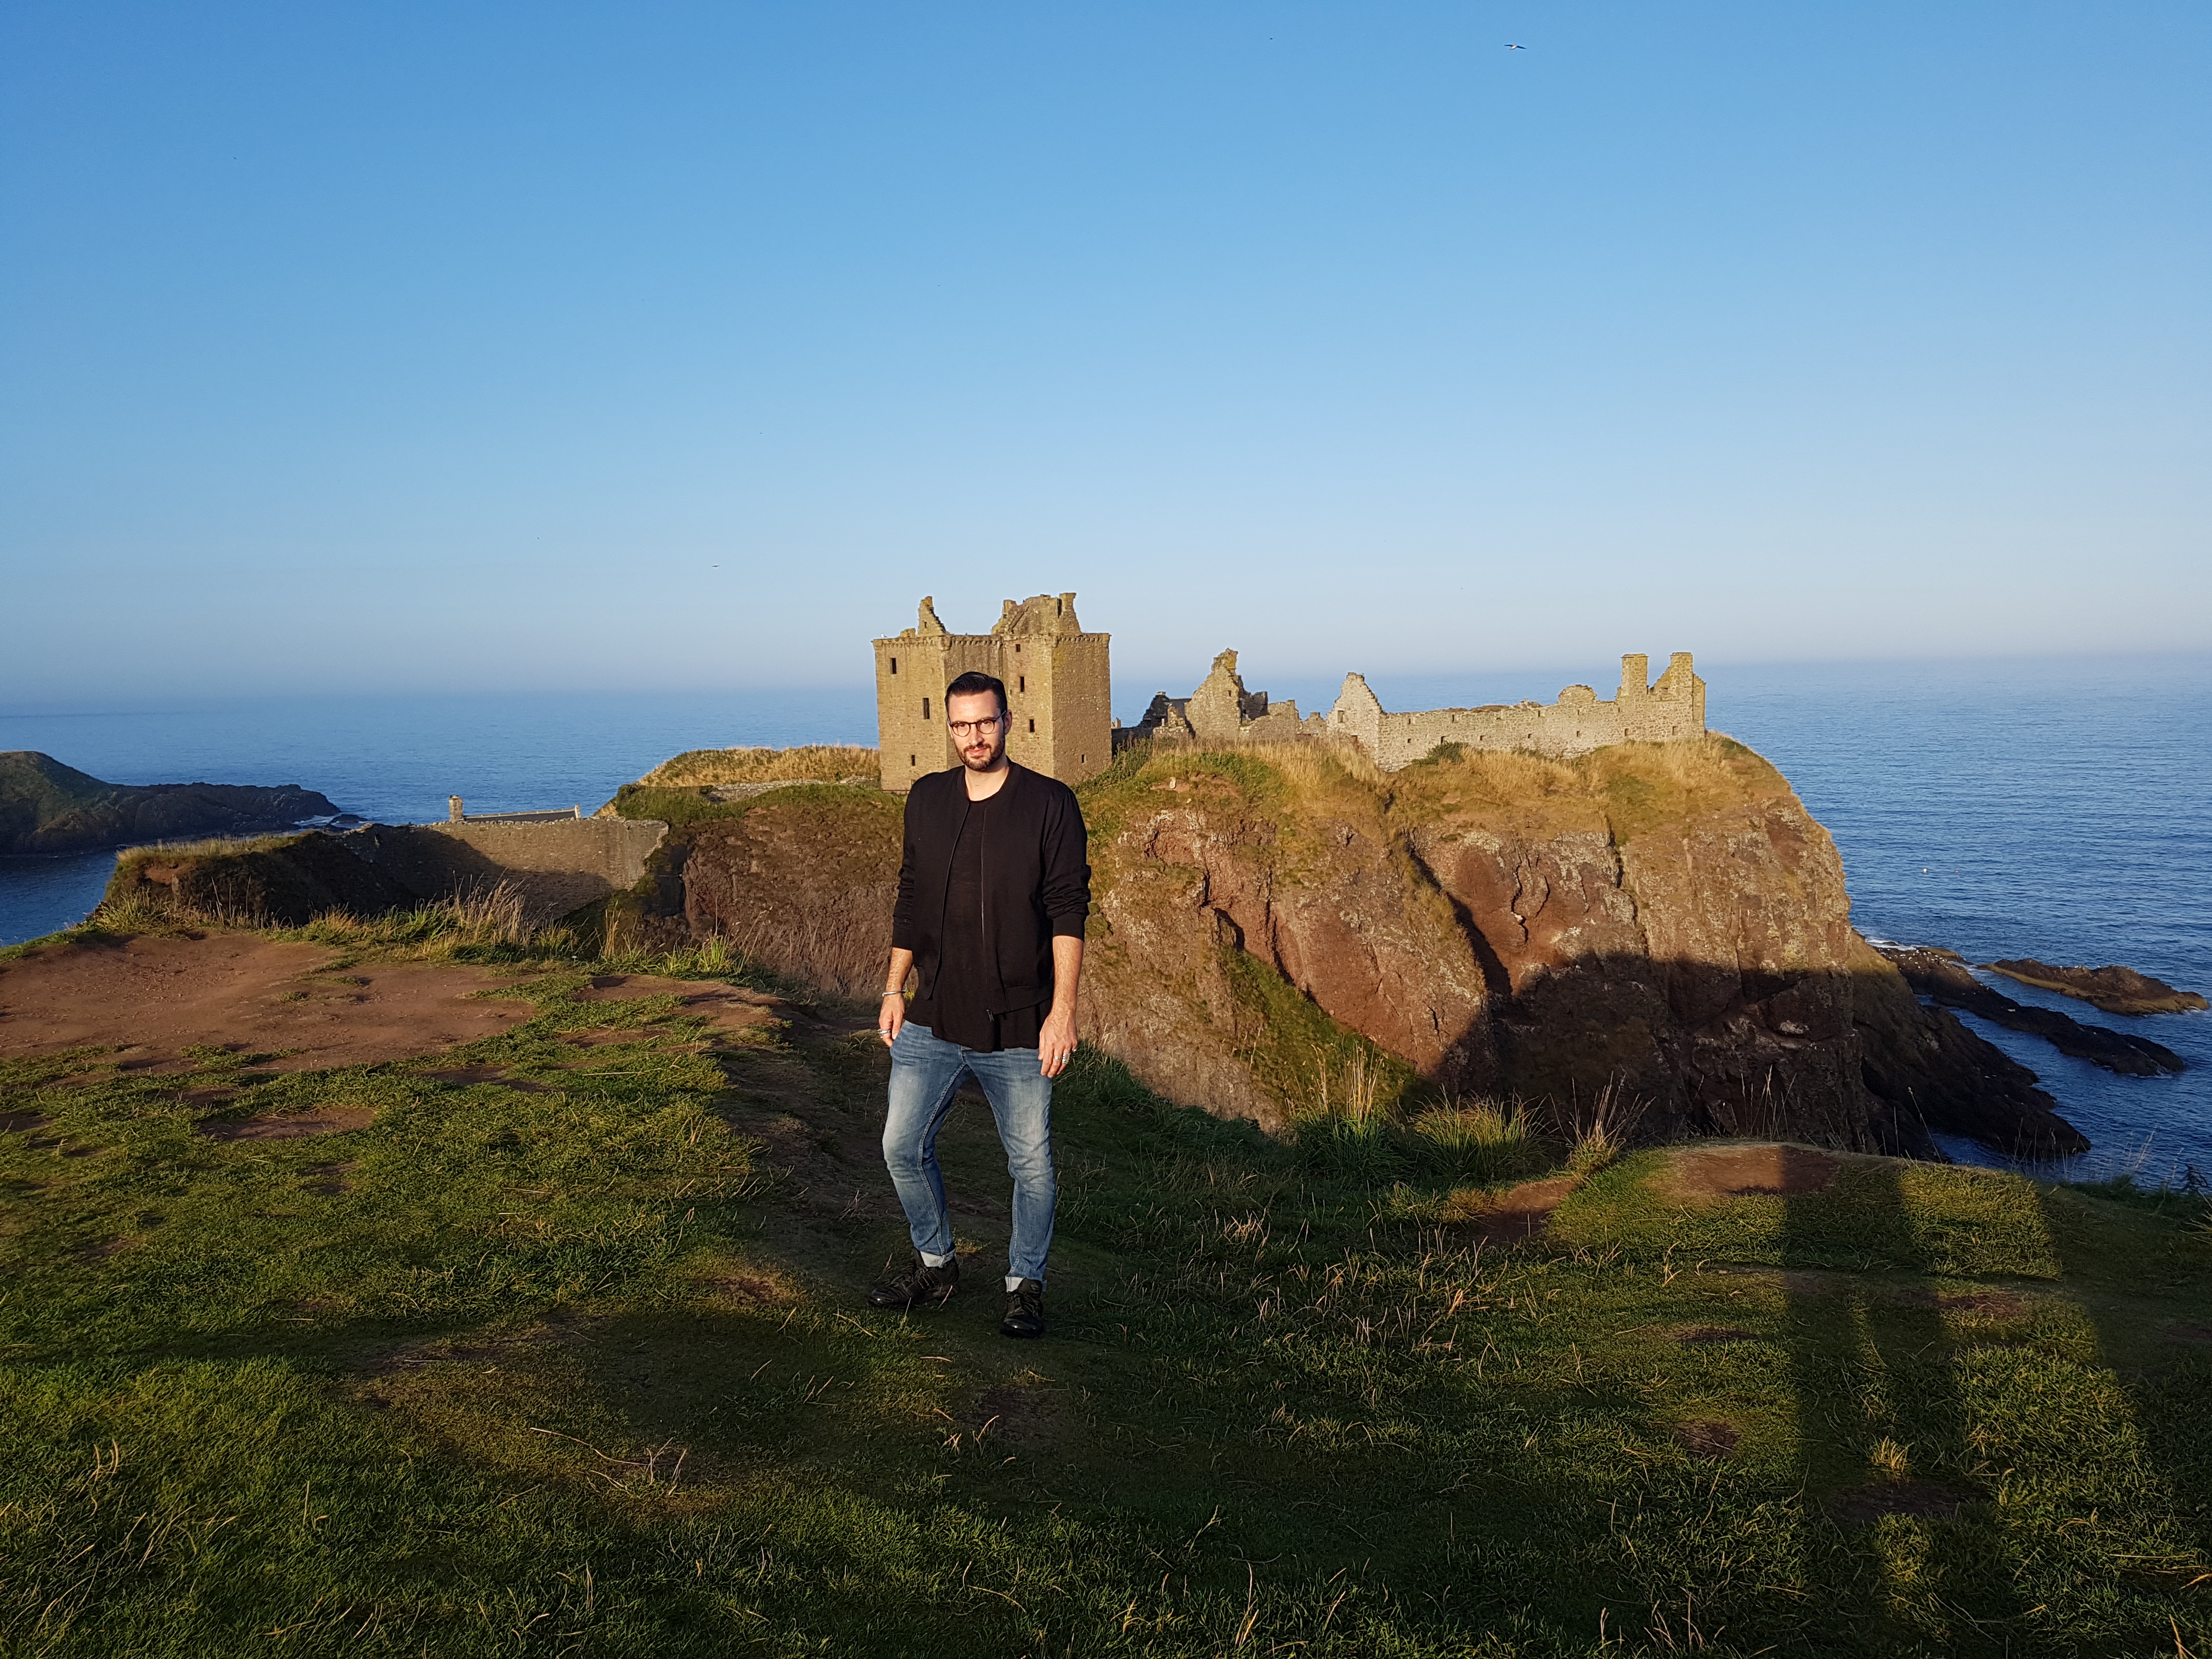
(2060,809)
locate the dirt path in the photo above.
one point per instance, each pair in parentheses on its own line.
(238,991)
(731,1008)
(1737,1169)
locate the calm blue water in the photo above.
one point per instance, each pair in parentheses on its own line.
(2059,809)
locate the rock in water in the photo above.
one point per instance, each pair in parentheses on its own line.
(2114,989)
(1944,977)
(47,807)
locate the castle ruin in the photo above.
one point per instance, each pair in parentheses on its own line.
(1222,711)
(1058,682)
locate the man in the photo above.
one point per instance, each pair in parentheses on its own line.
(994,890)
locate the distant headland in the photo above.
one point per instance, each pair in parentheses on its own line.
(48,807)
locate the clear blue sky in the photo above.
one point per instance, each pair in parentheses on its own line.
(653,345)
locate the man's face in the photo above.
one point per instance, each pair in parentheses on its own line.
(979,728)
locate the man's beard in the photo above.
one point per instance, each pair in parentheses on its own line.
(985,764)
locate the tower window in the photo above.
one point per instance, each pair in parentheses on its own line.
(894,665)
(1032,726)
(912,760)
(925,708)
(1021,682)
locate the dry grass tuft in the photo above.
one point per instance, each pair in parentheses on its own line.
(813,762)
(1345,1088)
(1480,1140)
(1598,1131)
(481,914)
(489,915)
(837,947)
(1316,764)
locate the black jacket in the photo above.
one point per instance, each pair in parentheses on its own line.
(1036,882)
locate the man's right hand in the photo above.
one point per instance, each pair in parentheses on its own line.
(894,1003)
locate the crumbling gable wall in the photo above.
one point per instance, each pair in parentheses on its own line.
(1222,711)
(1058,685)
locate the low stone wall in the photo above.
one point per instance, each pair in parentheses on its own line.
(558,865)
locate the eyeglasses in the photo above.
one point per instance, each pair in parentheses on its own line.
(976,728)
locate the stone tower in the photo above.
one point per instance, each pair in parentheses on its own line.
(1057,684)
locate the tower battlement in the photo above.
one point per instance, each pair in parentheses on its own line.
(1059,690)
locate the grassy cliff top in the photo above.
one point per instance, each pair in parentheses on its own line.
(1629,788)
(1632,785)
(817,762)
(555,1332)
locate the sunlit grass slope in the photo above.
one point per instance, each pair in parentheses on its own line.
(821,762)
(569,1357)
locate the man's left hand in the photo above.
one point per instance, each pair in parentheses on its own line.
(1056,1043)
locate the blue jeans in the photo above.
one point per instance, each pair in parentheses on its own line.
(925,1072)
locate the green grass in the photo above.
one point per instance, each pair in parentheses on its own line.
(683,806)
(581,1367)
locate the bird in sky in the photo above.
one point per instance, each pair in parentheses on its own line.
(1509,46)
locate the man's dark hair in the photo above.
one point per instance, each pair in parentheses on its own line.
(973,685)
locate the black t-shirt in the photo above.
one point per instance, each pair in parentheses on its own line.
(959,1009)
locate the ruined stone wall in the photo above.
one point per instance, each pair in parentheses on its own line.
(1222,711)
(1058,688)
(1578,723)
(557,866)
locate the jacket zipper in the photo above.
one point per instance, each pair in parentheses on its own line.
(983,892)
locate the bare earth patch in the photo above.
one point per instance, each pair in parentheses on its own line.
(17,1122)
(1515,1215)
(478,1349)
(731,1007)
(1705,1173)
(746,1288)
(335,1120)
(607,1035)
(1709,1440)
(1917,1497)
(243,993)
(464,1075)
(1009,1414)
(1979,1304)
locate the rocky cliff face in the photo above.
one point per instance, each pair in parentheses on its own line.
(47,807)
(1659,926)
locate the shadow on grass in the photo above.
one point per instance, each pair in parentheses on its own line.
(1895,1497)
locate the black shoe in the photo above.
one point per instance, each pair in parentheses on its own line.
(1024,1310)
(920,1286)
